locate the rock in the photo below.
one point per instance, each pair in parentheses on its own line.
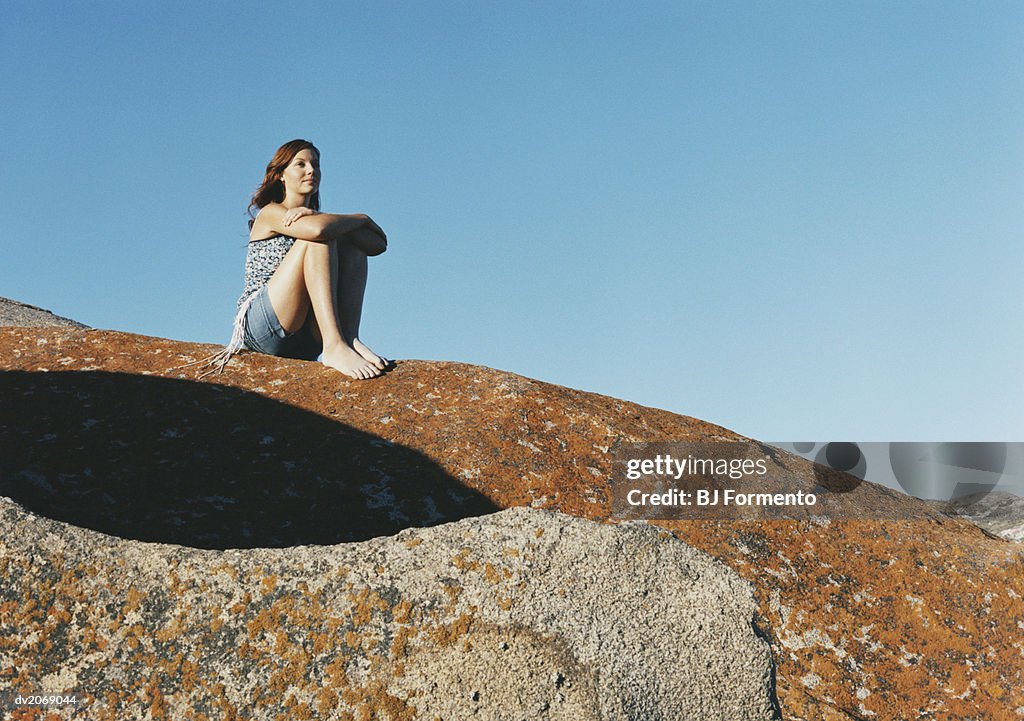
(268,453)
(905,613)
(519,614)
(14,313)
(997,512)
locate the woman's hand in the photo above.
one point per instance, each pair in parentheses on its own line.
(318,227)
(294,214)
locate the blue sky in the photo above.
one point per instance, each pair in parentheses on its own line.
(802,221)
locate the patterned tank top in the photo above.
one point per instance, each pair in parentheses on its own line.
(261,260)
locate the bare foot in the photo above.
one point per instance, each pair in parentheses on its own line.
(359,347)
(346,360)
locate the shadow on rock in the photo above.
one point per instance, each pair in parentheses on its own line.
(208,466)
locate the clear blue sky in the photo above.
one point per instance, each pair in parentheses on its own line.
(802,221)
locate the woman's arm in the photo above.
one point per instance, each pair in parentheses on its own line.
(323,227)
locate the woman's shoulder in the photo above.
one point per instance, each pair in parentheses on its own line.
(262,225)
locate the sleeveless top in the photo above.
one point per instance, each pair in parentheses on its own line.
(261,260)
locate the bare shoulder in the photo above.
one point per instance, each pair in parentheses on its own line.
(267,222)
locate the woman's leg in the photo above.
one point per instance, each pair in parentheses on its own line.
(304,280)
(352,271)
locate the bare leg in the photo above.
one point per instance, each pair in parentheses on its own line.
(352,271)
(305,281)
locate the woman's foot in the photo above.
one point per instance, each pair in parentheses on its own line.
(345,359)
(359,347)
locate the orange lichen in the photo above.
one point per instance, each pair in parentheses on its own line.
(7,609)
(400,643)
(267,584)
(177,587)
(227,569)
(264,621)
(334,673)
(490,574)
(172,630)
(462,561)
(453,591)
(402,612)
(449,634)
(241,605)
(216,622)
(326,701)
(373,701)
(364,603)
(158,705)
(833,605)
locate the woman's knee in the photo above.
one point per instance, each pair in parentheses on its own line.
(312,246)
(365,241)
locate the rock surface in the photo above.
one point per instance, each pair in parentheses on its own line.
(997,512)
(916,616)
(14,313)
(520,614)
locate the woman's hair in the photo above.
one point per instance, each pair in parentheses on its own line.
(271,190)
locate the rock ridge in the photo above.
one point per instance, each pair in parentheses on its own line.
(519,614)
(997,512)
(908,613)
(21,314)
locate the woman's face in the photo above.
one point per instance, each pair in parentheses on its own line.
(302,176)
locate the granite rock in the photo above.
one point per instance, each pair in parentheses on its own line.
(997,512)
(519,614)
(14,313)
(887,609)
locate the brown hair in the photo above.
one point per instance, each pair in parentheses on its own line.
(271,190)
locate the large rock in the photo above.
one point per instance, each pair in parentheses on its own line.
(522,614)
(14,313)
(273,451)
(997,512)
(909,614)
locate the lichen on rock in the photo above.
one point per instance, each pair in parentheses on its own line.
(907,614)
(443,621)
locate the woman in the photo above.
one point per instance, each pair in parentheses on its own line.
(305,271)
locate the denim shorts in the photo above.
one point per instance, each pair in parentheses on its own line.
(264,334)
